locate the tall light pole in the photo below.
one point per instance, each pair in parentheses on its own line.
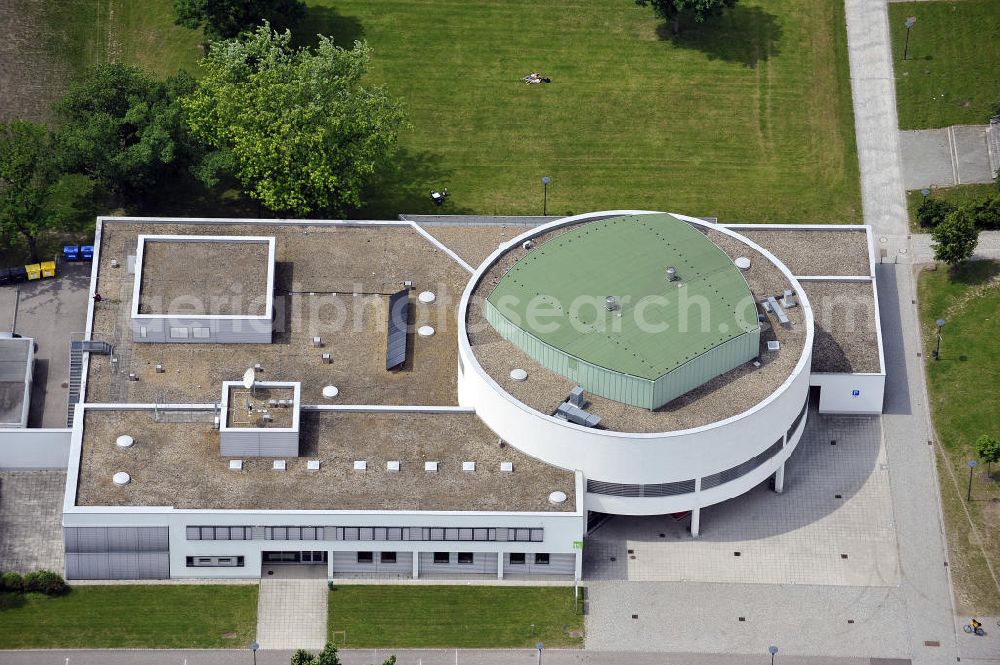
(909,24)
(972,465)
(772,650)
(937,349)
(926,192)
(539,646)
(253,647)
(545,194)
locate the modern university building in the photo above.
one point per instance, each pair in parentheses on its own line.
(408,399)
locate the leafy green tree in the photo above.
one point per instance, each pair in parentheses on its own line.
(303,657)
(299,128)
(123,128)
(697,10)
(328,656)
(222,19)
(988,450)
(35,196)
(956,237)
(932,211)
(986,212)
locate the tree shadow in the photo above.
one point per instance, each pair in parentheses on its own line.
(327,21)
(746,35)
(405,186)
(972,273)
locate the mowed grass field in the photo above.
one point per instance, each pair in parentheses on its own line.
(951,75)
(963,386)
(456,616)
(747,117)
(160,616)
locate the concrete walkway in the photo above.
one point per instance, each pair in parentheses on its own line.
(922,252)
(957,155)
(291,607)
(876,125)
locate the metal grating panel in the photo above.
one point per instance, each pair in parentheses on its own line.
(396,337)
(652,490)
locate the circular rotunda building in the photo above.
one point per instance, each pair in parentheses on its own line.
(664,357)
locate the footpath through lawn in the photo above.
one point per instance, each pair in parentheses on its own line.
(964,385)
(122,616)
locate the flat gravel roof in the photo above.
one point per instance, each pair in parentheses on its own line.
(565,282)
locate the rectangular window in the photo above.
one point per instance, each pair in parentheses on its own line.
(542,559)
(351,533)
(465,557)
(387,557)
(465,534)
(279,533)
(367,533)
(536,535)
(366,557)
(442,557)
(178,333)
(142,331)
(208,533)
(294,533)
(437,533)
(200,333)
(193,533)
(451,534)
(394,533)
(214,562)
(481,534)
(517,558)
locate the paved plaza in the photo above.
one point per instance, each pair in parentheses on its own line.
(31,520)
(291,607)
(945,157)
(833,525)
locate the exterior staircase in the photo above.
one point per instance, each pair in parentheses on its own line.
(77,348)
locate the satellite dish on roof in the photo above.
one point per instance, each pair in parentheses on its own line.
(249,377)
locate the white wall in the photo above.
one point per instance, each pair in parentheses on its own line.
(837,393)
(34,448)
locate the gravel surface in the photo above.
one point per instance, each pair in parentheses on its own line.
(178,464)
(816,252)
(845,340)
(204,277)
(331,282)
(726,395)
(474,243)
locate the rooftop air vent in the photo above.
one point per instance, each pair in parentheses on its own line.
(671,274)
(312,465)
(468,467)
(773,345)
(506,467)
(576,397)
(280,465)
(742,262)
(392,466)
(327,358)
(235,465)
(772,305)
(788,299)
(576,415)
(425,331)
(518,374)
(121,478)
(611,303)
(527,244)
(330,392)
(360,465)
(426,297)
(557,498)
(317,342)
(431,467)
(124,441)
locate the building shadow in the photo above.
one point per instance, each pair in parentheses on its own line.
(834,358)
(897,381)
(327,21)
(746,35)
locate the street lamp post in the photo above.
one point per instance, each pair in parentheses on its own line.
(926,192)
(545,194)
(937,349)
(539,646)
(253,647)
(772,650)
(909,24)
(972,465)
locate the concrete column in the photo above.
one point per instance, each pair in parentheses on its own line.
(416,565)
(695,521)
(779,478)
(499,565)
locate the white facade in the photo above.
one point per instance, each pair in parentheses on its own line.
(750,446)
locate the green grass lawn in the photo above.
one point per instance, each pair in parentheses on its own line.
(162,616)
(951,75)
(747,118)
(453,616)
(963,386)
(958,195)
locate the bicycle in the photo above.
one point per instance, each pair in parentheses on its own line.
(974,627)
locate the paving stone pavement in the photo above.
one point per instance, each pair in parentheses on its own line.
(836,503)
(921,250)
(31,520)
(945,157)
(292,607)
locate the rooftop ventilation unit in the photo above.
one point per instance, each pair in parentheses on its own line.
(426,297)
(327,358)
(557,498)
(576,415)
(258,367)
(360,465)
(121,478)
(317,342)
(392,466)
(772,305)
(159,368)
(576,397)
(124,441)
(425,331)
(671,274)
(235,465)
(431,467)
(267,417)
(788,299)
(280,465)
(506,467)
(330,392)
(611,303)
(312,465)
(468,467)
(742,262)
(773,345)
(527,244)
(518,374)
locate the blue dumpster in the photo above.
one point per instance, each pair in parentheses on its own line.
(87,252)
